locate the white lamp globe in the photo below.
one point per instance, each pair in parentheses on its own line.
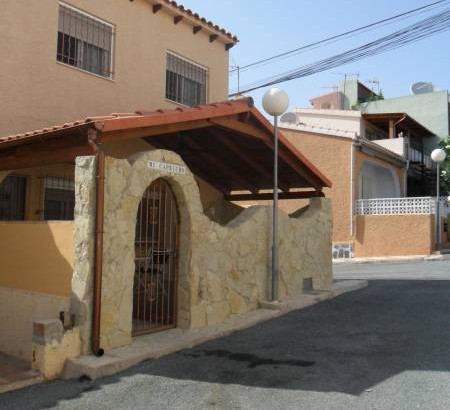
(438,155)
(275,101)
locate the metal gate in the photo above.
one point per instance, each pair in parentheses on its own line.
(156,248)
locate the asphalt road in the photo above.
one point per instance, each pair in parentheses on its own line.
(383,347)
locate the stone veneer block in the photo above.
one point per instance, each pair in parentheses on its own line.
(223,269)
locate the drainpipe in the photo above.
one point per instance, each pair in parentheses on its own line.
(98,262)
(352,187)
(406,151)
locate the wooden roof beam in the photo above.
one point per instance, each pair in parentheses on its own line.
(177,19)
(196,29)
(220,164)
(267,196)
(213,37)
(201,173)
(267,138)
(251,162)
(156,8)
(148,132)
(241,127)
(47,152)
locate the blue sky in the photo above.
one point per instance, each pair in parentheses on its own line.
(267,27)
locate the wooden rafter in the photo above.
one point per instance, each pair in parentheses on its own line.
(218,163)
(213,37)
(267,138)
(243,128)
(177,19)
(248,160)
(267,196)
(156,8)
(53,151)
(153,131)
(196,29)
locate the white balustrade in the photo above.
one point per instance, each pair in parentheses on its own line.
(401,206)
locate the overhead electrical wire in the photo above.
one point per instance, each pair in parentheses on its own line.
(335,38)
(432,25)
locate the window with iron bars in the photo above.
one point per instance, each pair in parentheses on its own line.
(12,198)
(59,199)
(186,82)
(84,42)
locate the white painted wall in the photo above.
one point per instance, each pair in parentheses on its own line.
(396,145)
(333,119)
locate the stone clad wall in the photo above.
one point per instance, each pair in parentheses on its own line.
(223,269)
(84,238)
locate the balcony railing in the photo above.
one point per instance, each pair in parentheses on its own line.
(421,157)
(401,206)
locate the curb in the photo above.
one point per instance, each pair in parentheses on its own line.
(160,344)
(20,384)
(394,259)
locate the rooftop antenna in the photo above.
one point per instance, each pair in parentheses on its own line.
(238,69)
(346,75)
(374,83)
(333,87)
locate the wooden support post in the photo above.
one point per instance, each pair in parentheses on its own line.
(391,129)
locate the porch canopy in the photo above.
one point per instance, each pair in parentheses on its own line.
(401,122)
(227,144)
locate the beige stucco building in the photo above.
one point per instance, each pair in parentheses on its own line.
(62,61)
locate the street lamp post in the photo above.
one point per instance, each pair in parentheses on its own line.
(275,103)
(438,155)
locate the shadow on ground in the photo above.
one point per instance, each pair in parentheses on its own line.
(347,344)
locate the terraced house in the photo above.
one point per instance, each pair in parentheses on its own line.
(122,220)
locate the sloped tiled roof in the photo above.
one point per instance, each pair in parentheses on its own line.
(201,19)
(115,120)
(164,121)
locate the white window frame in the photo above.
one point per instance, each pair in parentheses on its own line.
(113,38)
(194,63)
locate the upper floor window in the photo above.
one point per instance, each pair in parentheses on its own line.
(186,82)
(84,41)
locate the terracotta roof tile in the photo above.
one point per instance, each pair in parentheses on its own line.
(95,121)
(213,26)
(118,122)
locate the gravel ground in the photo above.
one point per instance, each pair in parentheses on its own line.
(383,347)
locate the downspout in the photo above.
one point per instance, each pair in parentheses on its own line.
(406,151)
(352,187)
(98,244)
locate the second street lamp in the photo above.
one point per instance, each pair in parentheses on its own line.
(438,155)
(275,103)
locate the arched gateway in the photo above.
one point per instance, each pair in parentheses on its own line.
(156,267)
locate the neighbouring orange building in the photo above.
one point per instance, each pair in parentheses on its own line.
(373,161)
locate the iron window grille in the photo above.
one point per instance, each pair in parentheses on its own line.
(12,198)
(84,41)
(186,82)
(59,199)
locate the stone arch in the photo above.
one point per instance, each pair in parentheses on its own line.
(126,182)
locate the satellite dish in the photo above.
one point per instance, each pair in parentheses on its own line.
(422,88)
(289,117)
